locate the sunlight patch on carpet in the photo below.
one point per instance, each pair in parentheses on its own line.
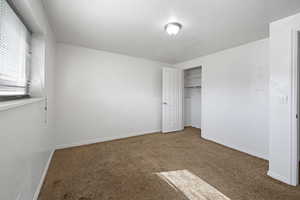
(193,187)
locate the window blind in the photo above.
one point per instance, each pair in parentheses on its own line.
(14,53)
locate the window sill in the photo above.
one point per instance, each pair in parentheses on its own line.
(6,105)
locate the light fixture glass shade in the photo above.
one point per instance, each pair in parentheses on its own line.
(173,28)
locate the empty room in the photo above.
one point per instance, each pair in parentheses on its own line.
(149,100)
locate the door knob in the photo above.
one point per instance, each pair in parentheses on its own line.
(165,103)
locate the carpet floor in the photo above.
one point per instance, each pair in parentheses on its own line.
(126,170)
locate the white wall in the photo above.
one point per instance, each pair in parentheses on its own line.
(26,141)
(25,149)
(235,97)
(281,140)
(102,96)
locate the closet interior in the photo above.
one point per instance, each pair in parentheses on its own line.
(192,97)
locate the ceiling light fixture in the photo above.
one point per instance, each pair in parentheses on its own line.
(173,28)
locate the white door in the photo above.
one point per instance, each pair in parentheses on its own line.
(172,100)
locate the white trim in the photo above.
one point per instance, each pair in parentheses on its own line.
(91,141)
(278,177)
(294,146)
(251,153)
(104,139)
(39,187)
(6,105)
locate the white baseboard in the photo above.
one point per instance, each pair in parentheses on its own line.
(255,154)
(104,139)
(279,177)
(92,141)
(39,187)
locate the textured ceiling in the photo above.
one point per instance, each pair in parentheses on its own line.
(136,27)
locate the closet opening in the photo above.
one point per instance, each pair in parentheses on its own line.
(192,97)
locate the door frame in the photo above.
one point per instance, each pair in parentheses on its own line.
(295,108)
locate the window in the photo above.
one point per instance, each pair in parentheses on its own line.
(14,53)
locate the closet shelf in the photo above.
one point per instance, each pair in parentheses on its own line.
(193,86)
(192,77)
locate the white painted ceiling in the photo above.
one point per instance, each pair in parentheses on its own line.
(136,27)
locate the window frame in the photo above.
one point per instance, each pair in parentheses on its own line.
(12,84)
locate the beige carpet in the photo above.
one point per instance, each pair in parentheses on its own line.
(126,170)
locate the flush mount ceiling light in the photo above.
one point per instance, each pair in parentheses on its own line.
(173,28)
